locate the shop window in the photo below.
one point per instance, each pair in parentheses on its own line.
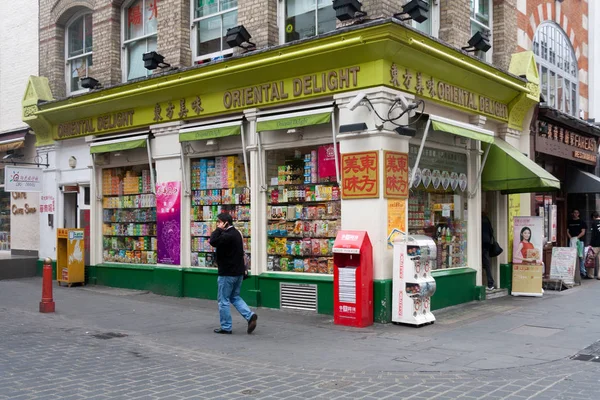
(4,215)
(140,36)
(128,215)
(218,185)
(437,206)
(557,65)
(481,20)
(78,51)
(307,18)
(210,21)
(303,210)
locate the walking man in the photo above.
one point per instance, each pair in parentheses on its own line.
(229,246)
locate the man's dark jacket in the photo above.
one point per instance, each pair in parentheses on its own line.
(230,251)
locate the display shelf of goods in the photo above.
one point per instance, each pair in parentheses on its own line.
(218,186)
(129,216)
(304,216)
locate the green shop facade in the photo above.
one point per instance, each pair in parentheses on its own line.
(280,139)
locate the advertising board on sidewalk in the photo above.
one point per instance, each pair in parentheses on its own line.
(528,239)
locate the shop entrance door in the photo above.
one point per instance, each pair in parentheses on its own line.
(70,210)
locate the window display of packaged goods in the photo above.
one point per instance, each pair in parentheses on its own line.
(218,185)
(303,210)
(441,216)
(128,216)
(4,220)
(437,206)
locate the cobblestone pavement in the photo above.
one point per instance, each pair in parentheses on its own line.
(52,356)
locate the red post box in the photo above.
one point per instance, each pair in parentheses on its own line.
(353,279)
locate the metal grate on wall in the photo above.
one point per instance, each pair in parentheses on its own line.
(298,296)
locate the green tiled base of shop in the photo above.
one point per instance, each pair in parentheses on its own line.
(454,286)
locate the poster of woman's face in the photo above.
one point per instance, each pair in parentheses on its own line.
(528,240)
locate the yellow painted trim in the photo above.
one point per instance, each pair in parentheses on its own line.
(467,64)
(203,75)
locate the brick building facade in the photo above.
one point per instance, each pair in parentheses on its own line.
(262,18)
(572,18)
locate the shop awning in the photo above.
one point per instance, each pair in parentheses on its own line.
(461,129)
(582,182)
(294,120)
(127,143)
(210,131)
(12,141)
(510,171)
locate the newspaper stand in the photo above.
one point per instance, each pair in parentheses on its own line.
(353,279)
(412,283)
(70,256)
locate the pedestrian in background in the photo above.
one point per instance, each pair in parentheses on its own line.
(229,245)
(487,239)
(595,240)
(576,232)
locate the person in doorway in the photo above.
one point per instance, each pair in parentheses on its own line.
(595,240)
(229,245)
(576,228)
(487,237)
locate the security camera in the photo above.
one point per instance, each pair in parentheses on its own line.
(405,103)
(355,102)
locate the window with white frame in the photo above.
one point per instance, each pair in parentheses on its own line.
(78,49)
(557,68)
(432,25)
(306,18)
(481,21)
(211,19)
(139,36)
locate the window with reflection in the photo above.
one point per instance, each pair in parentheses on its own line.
(558,69)
(211,19)
(78,51)
(141,27)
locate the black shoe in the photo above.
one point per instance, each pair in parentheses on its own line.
(587,277)
(223,331)
(252,323)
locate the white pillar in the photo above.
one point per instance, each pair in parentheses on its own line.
(371,214)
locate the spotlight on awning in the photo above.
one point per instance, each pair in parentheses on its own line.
(348,9)
(416,10)
(153,60)
(479,42)
(406,131)
(353,127)
(238,36)
(89,83)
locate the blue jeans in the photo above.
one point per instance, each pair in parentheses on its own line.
(229,293)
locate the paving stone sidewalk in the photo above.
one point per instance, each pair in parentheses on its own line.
(107,343)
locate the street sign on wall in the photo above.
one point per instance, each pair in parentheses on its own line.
(22,179)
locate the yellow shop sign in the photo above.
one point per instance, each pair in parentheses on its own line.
(436,89)
(325,82)
(94,126)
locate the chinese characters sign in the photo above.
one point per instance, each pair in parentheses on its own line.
(395,175)
(428,86)
(560,142)
(360,175)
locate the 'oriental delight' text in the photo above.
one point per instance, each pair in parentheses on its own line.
(89,126)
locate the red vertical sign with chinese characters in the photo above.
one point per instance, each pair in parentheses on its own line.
(360,175)
(395,175)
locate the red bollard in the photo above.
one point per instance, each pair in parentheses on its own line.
(47,303)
